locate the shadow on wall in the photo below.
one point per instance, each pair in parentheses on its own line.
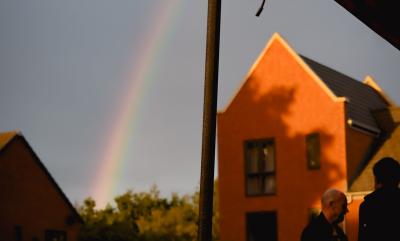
(286,114)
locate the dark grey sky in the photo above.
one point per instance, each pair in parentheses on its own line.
(64,65)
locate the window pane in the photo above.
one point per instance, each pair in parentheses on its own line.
(260,167)
(253,185)
(269,184)
(261,226)
(313,151)
(55,235)
(252,159)
(18,233)
(268,157)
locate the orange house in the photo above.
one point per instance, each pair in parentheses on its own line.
(32,205)
(294,129)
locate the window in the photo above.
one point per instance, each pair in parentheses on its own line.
(55,235)
(260,167)
(261,226)
(17,233)
(313,151)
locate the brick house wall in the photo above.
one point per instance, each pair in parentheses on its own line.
(281,99)
(31,202)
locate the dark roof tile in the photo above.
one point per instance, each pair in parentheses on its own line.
(362,99)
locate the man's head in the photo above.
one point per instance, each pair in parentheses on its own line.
(387,172)
(334,205)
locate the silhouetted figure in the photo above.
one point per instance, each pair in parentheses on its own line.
(379,215)
(325,226)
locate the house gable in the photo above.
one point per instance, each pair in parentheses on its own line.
(276,39)
(368,80)
(15,148)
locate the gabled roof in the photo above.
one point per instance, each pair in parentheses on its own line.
(6,138)
(277,38)
(362,98)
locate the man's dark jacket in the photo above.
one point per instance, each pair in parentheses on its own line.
(319,229)
(379,216)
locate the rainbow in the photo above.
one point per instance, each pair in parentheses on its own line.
(140,77)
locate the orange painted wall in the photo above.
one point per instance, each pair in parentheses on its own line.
(28,198)
(280,100)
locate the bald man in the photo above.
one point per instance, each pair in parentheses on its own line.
(325,226)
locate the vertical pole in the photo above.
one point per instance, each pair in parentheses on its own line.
(209,121)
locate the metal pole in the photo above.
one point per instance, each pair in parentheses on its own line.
(209,121)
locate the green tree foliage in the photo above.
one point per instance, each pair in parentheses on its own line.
(145,216)
(107,224)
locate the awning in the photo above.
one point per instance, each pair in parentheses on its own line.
(383,17)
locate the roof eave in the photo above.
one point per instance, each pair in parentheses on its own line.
(364,128)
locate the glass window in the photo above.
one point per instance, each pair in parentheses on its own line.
(261,226)
(260,167)
(17,233)
(55,235)
(313,151)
